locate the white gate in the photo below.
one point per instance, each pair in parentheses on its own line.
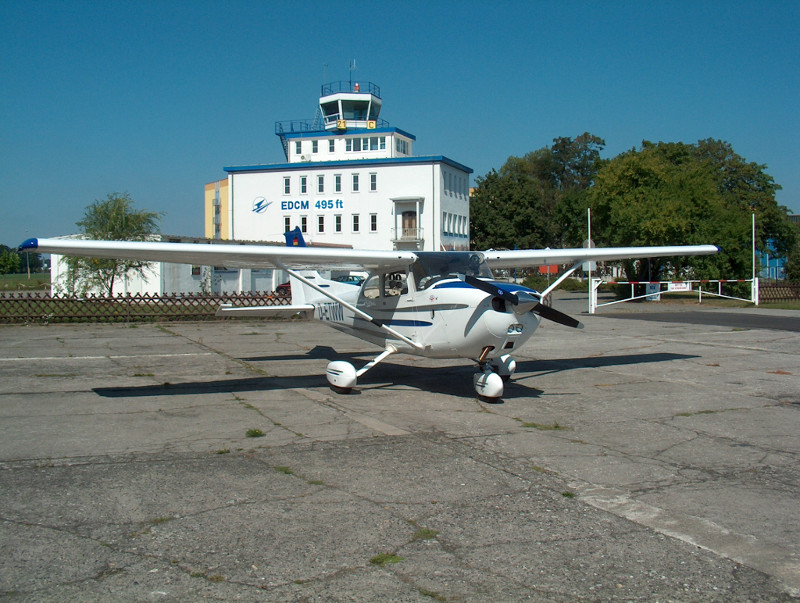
(657,288)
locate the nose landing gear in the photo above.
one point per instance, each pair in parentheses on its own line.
(489,381)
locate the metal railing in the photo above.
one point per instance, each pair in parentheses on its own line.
(407,234)
(350,86)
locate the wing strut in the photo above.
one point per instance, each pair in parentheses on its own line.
(557,282)
(351,307)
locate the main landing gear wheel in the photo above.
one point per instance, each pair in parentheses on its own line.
(342,376)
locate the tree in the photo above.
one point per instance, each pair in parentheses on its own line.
(9,260)
(537,200)
(676,193)
(111,219)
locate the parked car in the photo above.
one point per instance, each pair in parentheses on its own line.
(350,279)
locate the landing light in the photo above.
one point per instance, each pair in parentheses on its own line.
(515,328)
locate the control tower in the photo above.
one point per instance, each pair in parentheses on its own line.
(344,107)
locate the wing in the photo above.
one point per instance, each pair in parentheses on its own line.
(540,257)
(228,255)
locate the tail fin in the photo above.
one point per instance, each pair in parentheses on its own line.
(294,238)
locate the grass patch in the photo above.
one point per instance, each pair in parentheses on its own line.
(20,282)
(781,305)
(568,494)
(224,451)
(425,534)
(385,558)
(255,433)
(284,470)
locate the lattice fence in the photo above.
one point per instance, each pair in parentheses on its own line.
(39,307)
(768,292)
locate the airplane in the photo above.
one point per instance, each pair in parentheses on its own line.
(436,304)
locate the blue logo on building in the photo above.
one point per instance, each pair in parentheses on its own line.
(260,205)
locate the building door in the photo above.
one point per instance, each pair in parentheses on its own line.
(409,225)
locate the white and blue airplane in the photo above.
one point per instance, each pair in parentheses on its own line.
(431,304)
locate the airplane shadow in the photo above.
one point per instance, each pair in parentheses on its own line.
(556,365)
(449,380)
(321,352)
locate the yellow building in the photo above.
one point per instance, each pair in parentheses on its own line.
(217,210)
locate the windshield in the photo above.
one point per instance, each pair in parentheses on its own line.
(435,266)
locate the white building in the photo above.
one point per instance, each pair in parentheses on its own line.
(350,179)
(163,278)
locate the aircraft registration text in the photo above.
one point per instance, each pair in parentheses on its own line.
(331,312)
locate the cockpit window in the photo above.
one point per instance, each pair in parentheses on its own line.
(435,266)
(385,285)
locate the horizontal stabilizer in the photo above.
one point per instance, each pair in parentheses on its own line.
(257,311)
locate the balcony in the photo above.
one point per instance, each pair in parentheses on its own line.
(407,235)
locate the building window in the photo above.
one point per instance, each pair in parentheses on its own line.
(303,184)
(303,224)
(353,145)
(320,223)
(355,183)
(355,222)
(287,186)
(314,146)
(297,147)
(401,146)
(338,223)
(337,179)
(382,141)
(373,182)
(331,146)
(320,184)
(373,222)
(287,224)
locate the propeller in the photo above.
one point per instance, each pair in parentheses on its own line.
(523,301)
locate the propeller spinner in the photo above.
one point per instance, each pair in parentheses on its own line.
(523,301)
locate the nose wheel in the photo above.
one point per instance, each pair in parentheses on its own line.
(493,374)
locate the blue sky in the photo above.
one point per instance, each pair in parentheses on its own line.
(155,98)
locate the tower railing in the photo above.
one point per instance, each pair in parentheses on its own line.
(349,86)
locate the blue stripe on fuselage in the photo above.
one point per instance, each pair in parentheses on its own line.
(458,284)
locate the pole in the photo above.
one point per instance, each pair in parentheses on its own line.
(754,282)
(589,238)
